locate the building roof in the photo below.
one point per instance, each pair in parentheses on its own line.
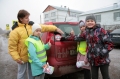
(117,7)
(64,9)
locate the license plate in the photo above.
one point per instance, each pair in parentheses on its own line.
(116,35)
(73,52)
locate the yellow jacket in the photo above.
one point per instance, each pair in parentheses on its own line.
(17,48)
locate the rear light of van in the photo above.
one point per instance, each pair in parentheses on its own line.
(58,37)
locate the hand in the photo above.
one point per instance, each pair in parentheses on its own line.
(20,61)
(49,43)
(60,31)
(45,66)
(72,33)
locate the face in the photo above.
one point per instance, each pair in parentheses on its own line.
(82,28)
(90,23)
(25,20)
(37,32)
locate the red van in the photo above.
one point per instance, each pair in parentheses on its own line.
(62,54)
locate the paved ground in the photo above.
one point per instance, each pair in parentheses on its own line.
(8,68)
(114,68)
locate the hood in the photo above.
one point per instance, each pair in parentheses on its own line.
(16,24)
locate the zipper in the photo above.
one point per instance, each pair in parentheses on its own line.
(26,30)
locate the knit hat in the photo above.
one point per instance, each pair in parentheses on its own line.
(35,26)
(81,23)
(90,17)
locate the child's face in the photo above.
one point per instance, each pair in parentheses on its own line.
(82,28)
(25,20)
(37,32)
(90,23)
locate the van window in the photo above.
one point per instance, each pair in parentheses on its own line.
(67,28)
(116,31)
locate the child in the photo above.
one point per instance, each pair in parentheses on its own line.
(98,47)
(81,48)
(37,52)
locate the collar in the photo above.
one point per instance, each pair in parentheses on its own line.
(34,37)
(20,24)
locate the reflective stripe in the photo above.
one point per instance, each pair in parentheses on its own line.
(44,60)
(82,49)
(42,57)
(29,58)
(42,51)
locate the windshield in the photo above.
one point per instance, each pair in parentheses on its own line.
(67,28)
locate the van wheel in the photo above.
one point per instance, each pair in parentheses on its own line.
(76,75)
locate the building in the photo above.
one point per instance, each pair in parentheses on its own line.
(108,16)
(60,14)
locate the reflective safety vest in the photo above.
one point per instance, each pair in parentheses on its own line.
(81,47)
(40,51)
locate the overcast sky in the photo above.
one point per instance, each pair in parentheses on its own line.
(10,8)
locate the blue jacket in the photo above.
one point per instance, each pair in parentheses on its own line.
(36,65)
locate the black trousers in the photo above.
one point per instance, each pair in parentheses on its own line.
(87,74)
(104,71)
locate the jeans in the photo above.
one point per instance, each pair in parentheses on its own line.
(104,71)
(87,74)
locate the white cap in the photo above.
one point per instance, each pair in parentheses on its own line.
(35,26)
